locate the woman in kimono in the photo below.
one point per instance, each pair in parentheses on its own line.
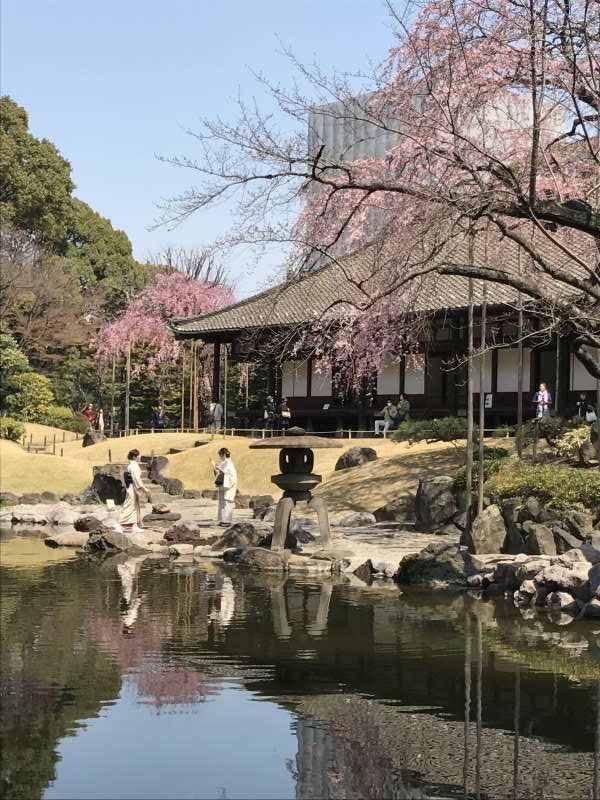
(226,483)
(542,400)
(131,516)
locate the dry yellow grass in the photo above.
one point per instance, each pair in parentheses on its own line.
(398,469)
(38,432)
(28,472)
(146,443)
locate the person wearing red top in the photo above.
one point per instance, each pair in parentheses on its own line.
(90,413)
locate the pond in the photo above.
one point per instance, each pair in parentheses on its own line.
(133,678)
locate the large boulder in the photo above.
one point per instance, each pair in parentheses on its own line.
(161,520)
(172,486)
(591,610)
(591,547)
(356,457)
(156,466)
(62,514)
(435,504)
(9,499)
(438,564)
(260,503)
(574,580)
(355,519)
(594,578)
(183,532)
(564,541)
(578,523)
(49,497)
(540,540)
(260,559)
(108,482)
(400,509)
(291,542)
(488,532)
(238,535)
(530,511)
(192,494)
(31,499)
(89,524)
(93,437)
(112,541)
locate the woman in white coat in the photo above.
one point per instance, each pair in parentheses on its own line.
(226,483)
(131,515)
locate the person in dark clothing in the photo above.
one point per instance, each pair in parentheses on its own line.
(285,414)
(270,414)
(159,419)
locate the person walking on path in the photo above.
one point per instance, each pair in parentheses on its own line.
(226,483)
(389,414)
(131,515)
(542,400)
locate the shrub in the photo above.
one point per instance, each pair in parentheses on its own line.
(493,459)
(549,428)
(556,486)
(446,429)
(11,429)
(568,443)
(32,398)
(62,417)
(502,432)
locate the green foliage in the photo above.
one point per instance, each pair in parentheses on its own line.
(35,180)
(13,362)
(493,460)
(11,429)
(64,418)
(568,443)
(447,429)
(556,486)
(502,432)
(32,398)
(548,428)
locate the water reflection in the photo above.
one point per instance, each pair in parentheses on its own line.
(390,696)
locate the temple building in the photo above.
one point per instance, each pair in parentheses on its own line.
(268,326)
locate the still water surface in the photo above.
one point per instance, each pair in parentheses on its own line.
(135,679)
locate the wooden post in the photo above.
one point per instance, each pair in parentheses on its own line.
(469,465)
(182,387)
(54,444)
(127,385)
(196,420)
(520,374)
(112,398)
(45,442)
(216,381)
(61,452)
(482,400)
(225,388)
(109,456)
(557,378)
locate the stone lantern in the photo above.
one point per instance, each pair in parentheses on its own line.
(296,462)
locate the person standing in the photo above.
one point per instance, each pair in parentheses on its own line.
(542,400)
(226,483)
(270,414)
(215,416)
(159,418)
(403,406)
(100,422)
(285,414)
(389,414)
(131,515)
(90,413)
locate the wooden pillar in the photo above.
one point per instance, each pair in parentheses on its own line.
(216,381)
(564,379)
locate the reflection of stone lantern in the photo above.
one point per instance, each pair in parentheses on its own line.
(296,461)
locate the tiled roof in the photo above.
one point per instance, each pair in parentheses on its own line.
(351,281)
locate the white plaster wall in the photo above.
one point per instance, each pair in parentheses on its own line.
(321,382)
(508,369)
(581,380)
(294,378)
(414,374)
(388,377)
(487,372)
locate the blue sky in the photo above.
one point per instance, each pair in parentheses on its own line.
(115,83)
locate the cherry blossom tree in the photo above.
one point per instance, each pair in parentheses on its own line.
(491,114)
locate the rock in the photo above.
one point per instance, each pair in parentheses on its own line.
(8,499)
(172,486)
(156,466)
(540,540)
(564,602)
(488,532)
(268,514)
(530,510)
(450,530)
(509,506)
(356,519)
(365,571)
(231,556)
(397,510)
(588,455)
(92,437)
(437,563)
(304,565)
(210,494)
(162,519)
(528,588)
(49,497)
(570,557)
(108,483)
(386,568)
(242,501)
(594,579)
(31,499)
(112,541)
(26,514)
(591,610)
(356,457)
(192,494)
(70,498)
(89,524)
(291,542)
(575,581)
(564,541)
(259,503)
(181,549)
(62,514)
(258,558)
(435,503)
(183,532)
(591,548)
(460,520)
(66,539)
(514,542)
(299,526)
(239,534)
(526,570)
(579,523)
